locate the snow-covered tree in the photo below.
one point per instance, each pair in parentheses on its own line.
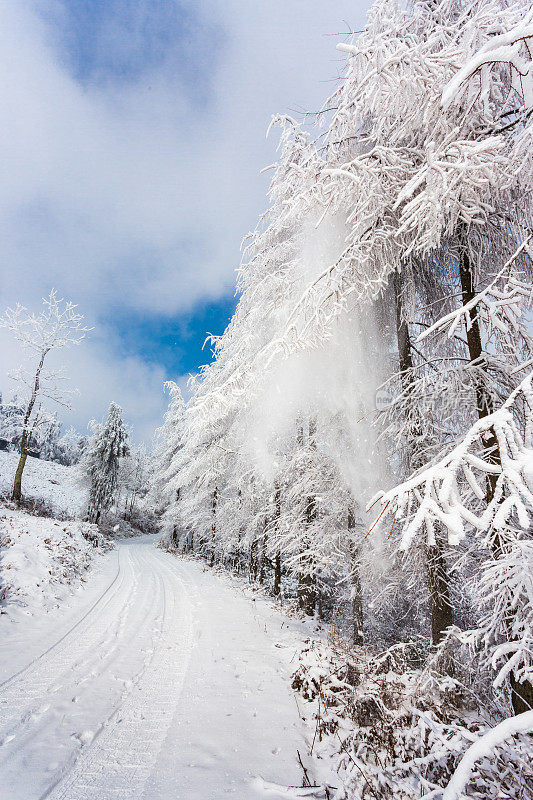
(57,326)
(12,417)
(169,443)
(470,489)
(70,447)
(399,240)
(108,446)
(134,479)
(48,438)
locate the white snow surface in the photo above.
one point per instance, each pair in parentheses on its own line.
(158,680)
(42,561)
(58,486)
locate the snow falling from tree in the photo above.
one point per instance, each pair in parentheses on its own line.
(361,442)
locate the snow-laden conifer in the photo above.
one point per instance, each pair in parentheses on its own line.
(109,445)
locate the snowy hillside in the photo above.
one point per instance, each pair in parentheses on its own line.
(41,561)
(58,486)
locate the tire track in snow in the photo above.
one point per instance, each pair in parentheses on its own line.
(121,757)
(7,681)
(29,708)
(43,674)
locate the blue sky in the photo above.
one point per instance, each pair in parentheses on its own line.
(178,342)
(132,139)
(118,42)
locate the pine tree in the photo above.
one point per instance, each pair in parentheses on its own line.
(109,445)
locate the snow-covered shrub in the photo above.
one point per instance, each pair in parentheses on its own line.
(139,522)
(395,730)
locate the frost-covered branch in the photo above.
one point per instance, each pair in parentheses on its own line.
(514,48)
(484,748)
(499,308)
(451,492)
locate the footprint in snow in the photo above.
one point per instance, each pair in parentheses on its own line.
(85,737)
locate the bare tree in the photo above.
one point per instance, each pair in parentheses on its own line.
(57,326)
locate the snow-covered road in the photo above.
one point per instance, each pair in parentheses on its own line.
(160,681)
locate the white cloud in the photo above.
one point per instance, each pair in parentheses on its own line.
(99,375)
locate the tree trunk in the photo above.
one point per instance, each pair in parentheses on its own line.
(17,485)
(24,442)
(252,569)
(214,526)
(307,593)
(521,693)
(175,529)
(264,538)
(438,581)
(475,351)
(277,575)
(306,580)
(277,561)
(441,610)
(237,565)
(357,598)
(307,589)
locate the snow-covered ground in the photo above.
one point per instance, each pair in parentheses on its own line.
(160,680)
(57,486)
(42,560)
(143,677)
